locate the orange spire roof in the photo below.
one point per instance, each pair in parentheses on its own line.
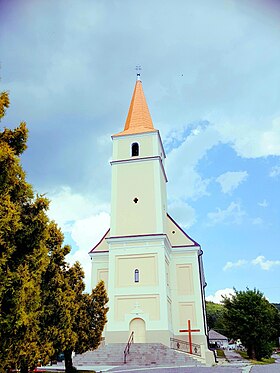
(138,118)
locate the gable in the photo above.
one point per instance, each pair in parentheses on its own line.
(102,244)
(177,236)
(175,233)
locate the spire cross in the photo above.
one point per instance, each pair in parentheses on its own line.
(138,68)
(189,330)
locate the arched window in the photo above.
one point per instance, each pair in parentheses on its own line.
(136,275)
(135,149)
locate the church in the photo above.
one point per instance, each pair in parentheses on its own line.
(152,269)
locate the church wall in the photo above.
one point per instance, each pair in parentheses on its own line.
(102,275)
(147,298)
(144,304)
(169,310)
(129,180)
(176,236)
(187,302)
(186,291)
(187,311)
(122,146)
(161,197)
(184,279)
(158,147)
(99,268)
(152,336)
(146,266)
(149,145)
(159,335)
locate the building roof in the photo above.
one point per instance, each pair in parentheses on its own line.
(213,335)
(138,118)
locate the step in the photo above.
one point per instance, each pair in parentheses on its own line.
(141,354)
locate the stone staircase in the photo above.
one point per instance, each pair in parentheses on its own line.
(141,354)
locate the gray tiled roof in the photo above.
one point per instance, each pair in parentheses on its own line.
(215,335)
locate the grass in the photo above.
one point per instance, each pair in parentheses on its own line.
(220,354)
(263,361)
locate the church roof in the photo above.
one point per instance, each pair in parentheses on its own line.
(138,118)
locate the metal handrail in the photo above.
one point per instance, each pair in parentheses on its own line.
(127,347)
(181,345)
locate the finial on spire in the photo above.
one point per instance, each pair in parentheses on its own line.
(138,68)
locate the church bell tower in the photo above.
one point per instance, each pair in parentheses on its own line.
(138,175)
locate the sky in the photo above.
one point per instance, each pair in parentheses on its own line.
(211,76)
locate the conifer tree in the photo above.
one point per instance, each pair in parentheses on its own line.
(57,297)
(91,319)
(43,308)
(23,255)
(73,320)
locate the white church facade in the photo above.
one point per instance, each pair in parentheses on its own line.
(152,269)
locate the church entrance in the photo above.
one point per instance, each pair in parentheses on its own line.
(138,326)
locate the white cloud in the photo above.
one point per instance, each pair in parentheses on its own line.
(275,171)
(218,296)
(86,233)
(185,181)
(257,221)
(263,203)
(239,263)
(67,207)
(260,138)
(230,180)
(265,264)
(260,260)
(183,213)
(85,221)
(232,214)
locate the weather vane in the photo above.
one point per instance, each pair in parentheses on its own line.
(138,68)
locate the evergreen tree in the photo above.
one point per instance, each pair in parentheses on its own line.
(73,320)
(249,316)
(57,297)
(23,255)
(91,319)
(43,309)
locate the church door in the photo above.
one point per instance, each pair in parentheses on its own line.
(138,326)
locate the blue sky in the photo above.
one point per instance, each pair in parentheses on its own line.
(211,76)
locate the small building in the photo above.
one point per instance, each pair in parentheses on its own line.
(218,340)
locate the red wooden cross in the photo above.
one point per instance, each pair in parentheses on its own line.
(189,330)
